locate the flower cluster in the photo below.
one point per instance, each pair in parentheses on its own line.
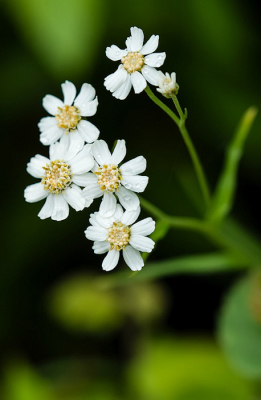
(81,168)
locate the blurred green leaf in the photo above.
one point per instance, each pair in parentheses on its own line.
(21,382)
(240,328)
(80,306)
(64,34)
(225,190)
(168,369)
(196,264)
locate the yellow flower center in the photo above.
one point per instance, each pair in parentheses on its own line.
(57,176)
(109,177)
(133,62)
(119,236)
(68,117)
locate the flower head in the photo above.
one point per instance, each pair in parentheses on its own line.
(61,177)
(137,64)
(108,178)
(68,115)
(118,233)
(168,86)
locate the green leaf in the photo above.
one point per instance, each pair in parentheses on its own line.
(21,382)
(196,264)
(174,369)
(63,34)
(71,303)
(224,194)
(240,327)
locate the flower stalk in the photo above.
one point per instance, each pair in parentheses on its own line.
(180,122)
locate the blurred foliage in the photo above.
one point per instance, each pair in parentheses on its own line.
(224,195)
(85,304)
(184,370)
(22,382)
(240,326)
(64,36)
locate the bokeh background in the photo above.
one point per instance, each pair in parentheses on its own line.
(65,334)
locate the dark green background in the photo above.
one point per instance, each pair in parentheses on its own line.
(213,46)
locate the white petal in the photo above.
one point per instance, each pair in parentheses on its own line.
(122,92)
(101,152)
(114,53)
(47,209)
(150,74)
(76,144)
(141,243)
(118,213)
(87,93)
(46,123)
(82,162)
(88,203)
(60,209)
(74,198)
(119,152)
(58,150)
(35,192)
(93,219)
(161,77)
(115,80)
(108,205)
(128,199)
(101,247)
(155,60)
(92,191)
(69,92)
(128,43)
(138,82)
(88,131)
(137,38)
(133,258)
(134,167)
(51,104)
(96,233)
(144,227)
(111,260)
(130,216)
(151,45)
(36,164)
(173,77)
(85,179)
(51,135)
(104,222)
(89,108)
(136,183)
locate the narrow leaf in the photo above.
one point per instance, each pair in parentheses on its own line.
(224,195)
(195,264)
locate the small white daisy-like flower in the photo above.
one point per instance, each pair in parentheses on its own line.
(68,115)
(61,178)
(168,86)
(117,233)
(108,178)
(138,65)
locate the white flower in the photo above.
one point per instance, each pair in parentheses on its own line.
(135,59)
(108,178)
(116,233)
(68,115)
(168,86)
(61,176)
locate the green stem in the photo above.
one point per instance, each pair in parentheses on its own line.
(191,224)
(191,149)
